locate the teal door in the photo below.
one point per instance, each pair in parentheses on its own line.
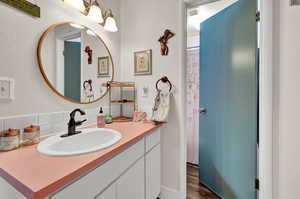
(72,70)
(228,92)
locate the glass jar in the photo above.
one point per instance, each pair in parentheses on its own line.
(31,135)
(9,139)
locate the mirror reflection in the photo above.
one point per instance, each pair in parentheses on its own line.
(75,62)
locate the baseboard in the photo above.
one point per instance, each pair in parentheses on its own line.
(168,193)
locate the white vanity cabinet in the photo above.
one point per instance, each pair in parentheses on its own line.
(132,183)
(153,165)
(153,171)
(110,192)
(9,192)
(132,174)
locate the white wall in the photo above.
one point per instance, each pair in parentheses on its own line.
(287,98)
(19,34)
(142,23)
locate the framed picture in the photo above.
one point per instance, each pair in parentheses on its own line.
(103,66)
(143,62)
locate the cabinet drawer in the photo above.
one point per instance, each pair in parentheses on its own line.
(97,180)
(152,140)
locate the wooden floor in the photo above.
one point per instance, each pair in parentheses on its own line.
(194,189)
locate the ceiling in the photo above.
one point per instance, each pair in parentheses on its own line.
(202,12)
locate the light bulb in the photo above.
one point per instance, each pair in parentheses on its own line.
(110,24)
(78,4)
(89,32)
(76,26)
(95,14)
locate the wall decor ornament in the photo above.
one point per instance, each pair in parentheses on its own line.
(88,92)
(103,66)
(25,6)
(89,51)
(164,42)
(143,62)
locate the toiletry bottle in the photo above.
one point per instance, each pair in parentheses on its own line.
(101,119)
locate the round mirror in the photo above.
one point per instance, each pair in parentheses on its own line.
(75,62)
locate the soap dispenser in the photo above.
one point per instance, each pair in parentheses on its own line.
(101,119)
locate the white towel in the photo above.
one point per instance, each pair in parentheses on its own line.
(161,106)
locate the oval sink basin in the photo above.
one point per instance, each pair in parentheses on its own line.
(90,140)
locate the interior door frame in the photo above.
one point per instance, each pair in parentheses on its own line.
(267,149)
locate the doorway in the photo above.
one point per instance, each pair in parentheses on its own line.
(227,80)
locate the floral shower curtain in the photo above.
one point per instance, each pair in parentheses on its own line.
(193,105)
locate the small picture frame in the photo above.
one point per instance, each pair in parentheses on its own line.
(143,63)
(103,66)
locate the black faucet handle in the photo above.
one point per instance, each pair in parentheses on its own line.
(72,114)
(78,123)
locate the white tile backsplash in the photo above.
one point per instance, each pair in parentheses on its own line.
(20,122)
(52,123)
(60,121)
(91,116)
(45,124)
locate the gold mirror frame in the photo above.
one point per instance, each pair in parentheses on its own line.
(41,65)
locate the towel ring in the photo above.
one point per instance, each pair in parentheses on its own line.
(164,79)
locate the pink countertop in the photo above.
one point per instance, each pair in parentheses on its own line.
(37,176)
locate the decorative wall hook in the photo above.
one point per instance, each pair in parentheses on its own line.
(164,42)
(89,51)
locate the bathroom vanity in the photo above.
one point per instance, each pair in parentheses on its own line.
(128,169)
(121,162)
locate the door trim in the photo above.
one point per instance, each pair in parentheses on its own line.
(266,154)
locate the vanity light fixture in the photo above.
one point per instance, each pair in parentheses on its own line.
(94,11)
(76,26)
(89,32)
(110,22)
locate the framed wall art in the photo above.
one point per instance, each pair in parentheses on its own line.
(143,62)
(25,6)
(103,66)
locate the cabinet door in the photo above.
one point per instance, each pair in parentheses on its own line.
(153,180)
(131,185)
(109,193)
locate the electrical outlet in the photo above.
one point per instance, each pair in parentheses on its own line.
(6,89)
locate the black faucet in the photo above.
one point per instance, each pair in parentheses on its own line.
(72,123)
